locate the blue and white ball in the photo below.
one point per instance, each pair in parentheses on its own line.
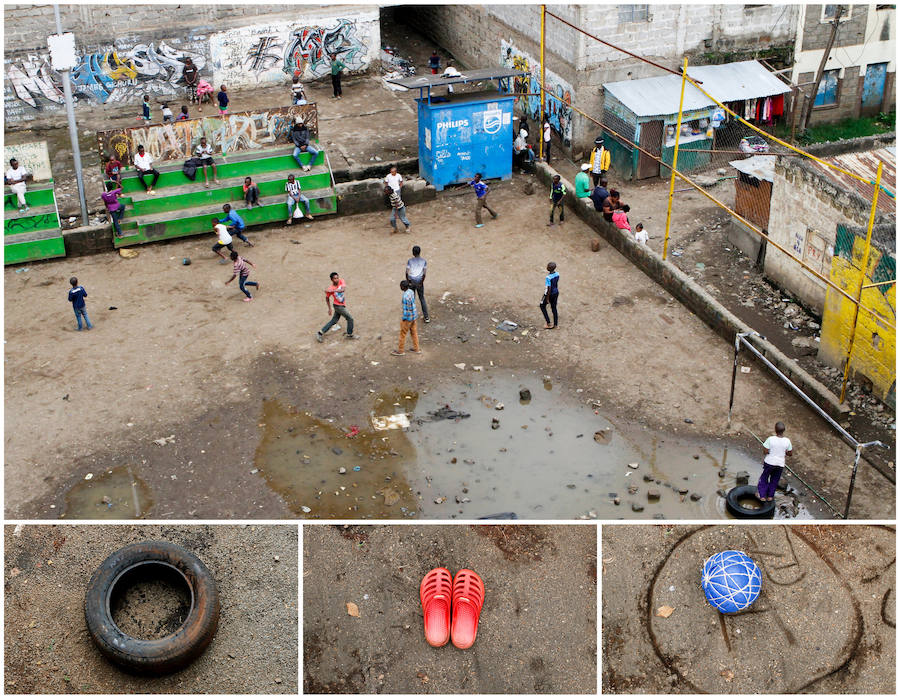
(731,581)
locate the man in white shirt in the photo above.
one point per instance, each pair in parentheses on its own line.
(223,240)
(15,177)
(777,446)
(204,153)
(143,163)
(394,180)
(547,142)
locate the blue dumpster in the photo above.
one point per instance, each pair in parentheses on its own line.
(465,133)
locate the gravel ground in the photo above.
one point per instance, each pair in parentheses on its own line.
(47,647)
(538,627)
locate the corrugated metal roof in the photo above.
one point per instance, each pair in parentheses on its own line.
(865,164)
(760,167)
(745,80)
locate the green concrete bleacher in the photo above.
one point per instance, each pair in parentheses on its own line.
(182,207)
(34,234)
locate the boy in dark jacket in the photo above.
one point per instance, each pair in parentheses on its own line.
(557,199)
(76,295)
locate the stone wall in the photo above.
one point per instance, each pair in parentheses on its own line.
(851,30)
(127,51)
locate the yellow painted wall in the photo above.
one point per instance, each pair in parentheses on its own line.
(875,350)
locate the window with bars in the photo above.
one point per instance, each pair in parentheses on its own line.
(634,13)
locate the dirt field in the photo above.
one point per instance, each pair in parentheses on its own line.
(48,649)
(824,621)
(182,356)
(538,627)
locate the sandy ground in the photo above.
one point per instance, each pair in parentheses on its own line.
(824,621)
(538,627)
(47,646)
(182,355)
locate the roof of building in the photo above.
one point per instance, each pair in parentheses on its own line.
(865,164)
(728,82)
(465,76)
(760,167)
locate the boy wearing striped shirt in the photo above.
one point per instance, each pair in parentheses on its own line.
(398,208)
(408,321)
(295,198)
(242,272)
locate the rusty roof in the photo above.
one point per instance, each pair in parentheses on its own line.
(865,164)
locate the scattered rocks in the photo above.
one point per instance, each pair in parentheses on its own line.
(440,499)
(682,490)
(722,473)
(743,478)
(632,465)
(342,470)
(525,394)
(696,496)
(648,478)
(495,423)
(653,494)
(637,507)
(617,501)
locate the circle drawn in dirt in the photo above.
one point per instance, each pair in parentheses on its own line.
(805,624)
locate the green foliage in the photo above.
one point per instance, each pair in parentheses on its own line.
(848,129)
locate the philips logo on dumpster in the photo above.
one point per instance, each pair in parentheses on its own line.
(453,124)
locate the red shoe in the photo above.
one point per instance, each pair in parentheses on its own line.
(468,597)
(435,593)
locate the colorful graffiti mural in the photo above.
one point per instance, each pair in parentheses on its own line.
(240,131)
(558,93)
(310,49)
(102,76)
(33,156)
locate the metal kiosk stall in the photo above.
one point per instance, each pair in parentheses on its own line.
(465,133)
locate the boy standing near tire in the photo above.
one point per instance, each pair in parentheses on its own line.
(777,446)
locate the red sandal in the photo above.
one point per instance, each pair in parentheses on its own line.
(468,597)
(435,594)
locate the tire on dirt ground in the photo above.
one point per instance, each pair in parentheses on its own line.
(152,655)
(733,498)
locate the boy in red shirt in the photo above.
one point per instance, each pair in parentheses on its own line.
(337,292)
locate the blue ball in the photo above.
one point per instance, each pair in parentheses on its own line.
(731,581)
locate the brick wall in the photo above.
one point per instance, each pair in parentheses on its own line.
(849,94)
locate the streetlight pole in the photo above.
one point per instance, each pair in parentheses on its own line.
(73,127)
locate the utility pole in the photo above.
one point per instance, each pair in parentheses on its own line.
(807,112)
(73,127)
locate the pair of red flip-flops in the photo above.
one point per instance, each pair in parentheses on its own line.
(441,594)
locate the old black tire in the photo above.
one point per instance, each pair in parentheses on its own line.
(733,498)
(152,655)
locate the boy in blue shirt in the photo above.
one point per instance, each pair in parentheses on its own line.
(76,295)
(237,229)
(557,198)
(481,190)
(551,293)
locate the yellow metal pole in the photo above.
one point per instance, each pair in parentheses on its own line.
(674,159)
(541,125)
(862,281)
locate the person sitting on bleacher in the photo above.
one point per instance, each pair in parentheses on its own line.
(114,170)
(204,153)
(300,138)
(143,163)
(238,224)
(251,193)
(295,198)
(16,177)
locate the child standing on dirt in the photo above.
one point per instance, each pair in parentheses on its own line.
(551,294)
(777,446)
(408,320)
(76,295)
(557,199)
(481,192)
(242,272)
(222,97)
(145,110)
(640,234)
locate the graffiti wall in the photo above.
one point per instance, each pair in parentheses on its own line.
(277,52)
(240,131)
(115,74)
(126,69)
(558,91)
(34,156)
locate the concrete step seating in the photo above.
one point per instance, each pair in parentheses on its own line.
(34,234)
(181,207)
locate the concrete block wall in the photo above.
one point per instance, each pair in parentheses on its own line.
(852,31)
(849,96)
(804,200)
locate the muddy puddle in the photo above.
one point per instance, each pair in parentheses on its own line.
(541,455)
(116,494)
